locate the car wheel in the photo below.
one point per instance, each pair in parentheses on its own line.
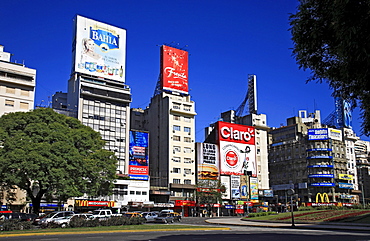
(172,221)
(64,225)
(165,221)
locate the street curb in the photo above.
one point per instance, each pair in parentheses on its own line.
(113,231)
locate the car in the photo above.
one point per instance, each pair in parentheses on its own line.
(149,216)
(164,218)
(64,221)
(53,216)
(132,214)
(17,216)
(177,216)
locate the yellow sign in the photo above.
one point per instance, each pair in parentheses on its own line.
(324,197)
(345,176)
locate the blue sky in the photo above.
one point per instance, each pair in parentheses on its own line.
(226,40)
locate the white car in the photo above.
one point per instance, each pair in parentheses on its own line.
(51,217)
(149,216)
(64,221)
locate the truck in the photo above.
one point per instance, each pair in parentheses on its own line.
(104,214)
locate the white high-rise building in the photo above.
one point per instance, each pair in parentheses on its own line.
(17,85)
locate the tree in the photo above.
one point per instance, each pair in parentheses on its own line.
(209,192)
(332,39)
(49,154)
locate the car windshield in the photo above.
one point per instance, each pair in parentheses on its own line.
(96,212)
(49,215)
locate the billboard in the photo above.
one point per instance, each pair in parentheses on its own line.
(208,164)
(99,49)
(139,155)
(254,188)
(318,134)
(174,69)
(235,187)
(225,180)
(237,149)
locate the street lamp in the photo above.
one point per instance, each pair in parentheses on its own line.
(291,193)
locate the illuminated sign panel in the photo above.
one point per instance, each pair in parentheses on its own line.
(174,69)
(139,158)
(345,176)
(237,149)
(99,49)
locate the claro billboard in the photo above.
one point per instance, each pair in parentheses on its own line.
(237,149)
(174,69)
(99,49)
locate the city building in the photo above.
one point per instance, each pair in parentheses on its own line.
(362,150)
(313,160)
(170,121)
(17,85)
(99,97)
(17,93)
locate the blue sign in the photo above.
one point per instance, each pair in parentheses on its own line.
(322,184)
(229,206)
(320,157)
(318,134)
(321,175)
(320,149)
(313,166)
(345,185)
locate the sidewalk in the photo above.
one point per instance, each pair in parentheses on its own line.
(254,223)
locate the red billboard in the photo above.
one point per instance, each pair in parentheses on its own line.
(174,69)
(237,149)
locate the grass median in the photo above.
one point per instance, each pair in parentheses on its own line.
(100,229)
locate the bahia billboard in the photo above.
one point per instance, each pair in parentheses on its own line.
(237,149)
(139,155)
(99,49)
(174,69)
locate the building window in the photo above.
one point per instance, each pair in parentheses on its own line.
(187,150)
(187,107)
(9,103)
(132,192)
(176,181)
(144,193)
(187,171)
(187,181)
(176,170)
(176,106)
(176,128)
(176,138)
(24,105)
(176,159)
(176,117)
(187,139)
(10,90)
(187,119)
(138,193)
(187,129)
(176,149)
(187,160)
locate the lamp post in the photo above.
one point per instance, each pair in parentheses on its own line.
(291,193)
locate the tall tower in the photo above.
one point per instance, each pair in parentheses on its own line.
(170,120)
(98,94)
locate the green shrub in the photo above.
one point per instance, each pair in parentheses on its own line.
(9,225)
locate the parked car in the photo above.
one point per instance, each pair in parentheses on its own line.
(18,216)
(64,221)
(164,218)
(132,214)
(149,216)
(54,215)
(177,216)
(104,213)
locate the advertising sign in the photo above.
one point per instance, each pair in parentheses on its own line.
(345,176)
(99,49)
(321,175)
(208,164)
(237,149)
(254,188)
(335,134)
(235,187)
(174,69)
(225,180)
(268,193)
(138,155)
(345,185)
(318,134)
